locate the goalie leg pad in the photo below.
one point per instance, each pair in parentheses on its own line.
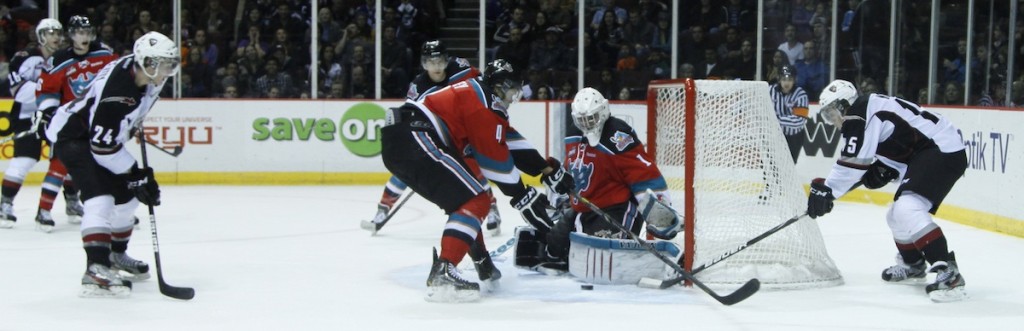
(529,249)
(600,260)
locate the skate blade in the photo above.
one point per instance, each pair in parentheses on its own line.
(133,277)
(908,282)
(5,224)
(74,219)
(495,231)
(449,294)
(951,295)
(96,291)
(44,227)
(491,285)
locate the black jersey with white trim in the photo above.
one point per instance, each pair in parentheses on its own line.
(458,70)
(106,114)
(889,129)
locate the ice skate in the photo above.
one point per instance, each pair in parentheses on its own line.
(136,270)
(7,218)
(949,284)
(445,284)
(494,221)
(100,281)
(73,208)
(485,269)
(905,273)
(374,225)
(44,221)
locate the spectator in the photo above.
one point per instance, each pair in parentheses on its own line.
(566,91)
(232,77)
(201,74)
(607,38)
(658,64)
(549,54)
(230,92)
(108,35)
(274,78)
(518,22)
(687,71)
(408,13)
(662,34)
(870,36)
(361,85)
(779,59)
(729,50)
(515,51)
(793,48)
(813,72)
(710,68)
(693,47)
(330,68)
(358,58)
(210,51)
(214,20)
(623,93)
(820,36)
(563,15)
(627,60)
(329,29)
(708,16)
(608,84)
(539,28)
(254,19)
(608,6)
(544,93)
(337,91)
(251,66)
(145,23)
(638,29)
(274,92)
(291,22)
(652,10)
(848,15)
(395,59)
(253,38)
(746,65)
(953,94)
(802,12)
(738,16)
(955,67)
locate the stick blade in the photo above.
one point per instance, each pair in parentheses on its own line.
(744,292)
(180,293)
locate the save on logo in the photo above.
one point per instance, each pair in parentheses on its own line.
(360,129)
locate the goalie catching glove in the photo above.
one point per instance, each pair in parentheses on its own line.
(662,221)
(879,175)
(143,184)
(533,206)
(820,201)
(557,180)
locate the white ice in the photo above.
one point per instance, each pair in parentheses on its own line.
(294,258)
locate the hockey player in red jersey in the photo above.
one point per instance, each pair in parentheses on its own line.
(90,135)
(612,170)
(439,70)
(70,72)
(26,67)
(445,148)
(887,138)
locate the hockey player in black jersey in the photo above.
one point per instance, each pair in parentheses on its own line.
(90,135)
(439,70)
(890,139)
(26,69)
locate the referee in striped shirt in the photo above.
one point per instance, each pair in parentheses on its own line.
(790,103)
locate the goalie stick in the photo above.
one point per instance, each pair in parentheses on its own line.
(744,292)
(503,248)
(182,293)
(392,213)
(17,136)
(675,280)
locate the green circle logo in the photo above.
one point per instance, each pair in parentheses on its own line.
(360,129)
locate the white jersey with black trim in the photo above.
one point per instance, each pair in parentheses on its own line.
(25,69)
(889,129)
(106,114)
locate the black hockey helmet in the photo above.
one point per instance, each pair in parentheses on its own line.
(80,23)
(434,48)
(506,82)
(787,71)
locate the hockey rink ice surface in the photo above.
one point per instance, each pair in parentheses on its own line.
(294,258)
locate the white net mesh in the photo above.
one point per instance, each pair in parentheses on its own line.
(744,184)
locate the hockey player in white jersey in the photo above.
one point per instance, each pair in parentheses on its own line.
(26,69)
(888,138)
(90,136)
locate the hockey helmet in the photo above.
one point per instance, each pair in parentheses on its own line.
(787,71)
(48,26)
(835,99)
(156,55)
(81,27)
(589,112)
(434,56)
(506,84)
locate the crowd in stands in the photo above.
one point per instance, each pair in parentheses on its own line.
(261,48)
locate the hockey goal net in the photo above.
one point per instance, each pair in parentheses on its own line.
(720,147)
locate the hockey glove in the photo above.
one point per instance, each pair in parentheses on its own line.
(41,119)
(879,175)
(820,201)
(533,206)
(143,184)
(557,180)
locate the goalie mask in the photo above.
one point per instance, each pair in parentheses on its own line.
(589,112)
(506,84)
(49,33)
(157,56)
(835,99)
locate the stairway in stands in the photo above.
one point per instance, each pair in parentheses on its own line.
(461,30)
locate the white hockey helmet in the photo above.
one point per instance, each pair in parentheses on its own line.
(48,26)
(589,112)
(157,55)
(835,99)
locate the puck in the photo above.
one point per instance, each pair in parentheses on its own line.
(587,287)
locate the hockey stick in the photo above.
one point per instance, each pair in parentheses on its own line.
(183,293)
(748,289)
(392,213)
(173,152)
(17,136)
(675,280)
(503,248)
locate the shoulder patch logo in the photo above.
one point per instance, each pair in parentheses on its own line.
(462,62)
(125,100)
(621,140)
